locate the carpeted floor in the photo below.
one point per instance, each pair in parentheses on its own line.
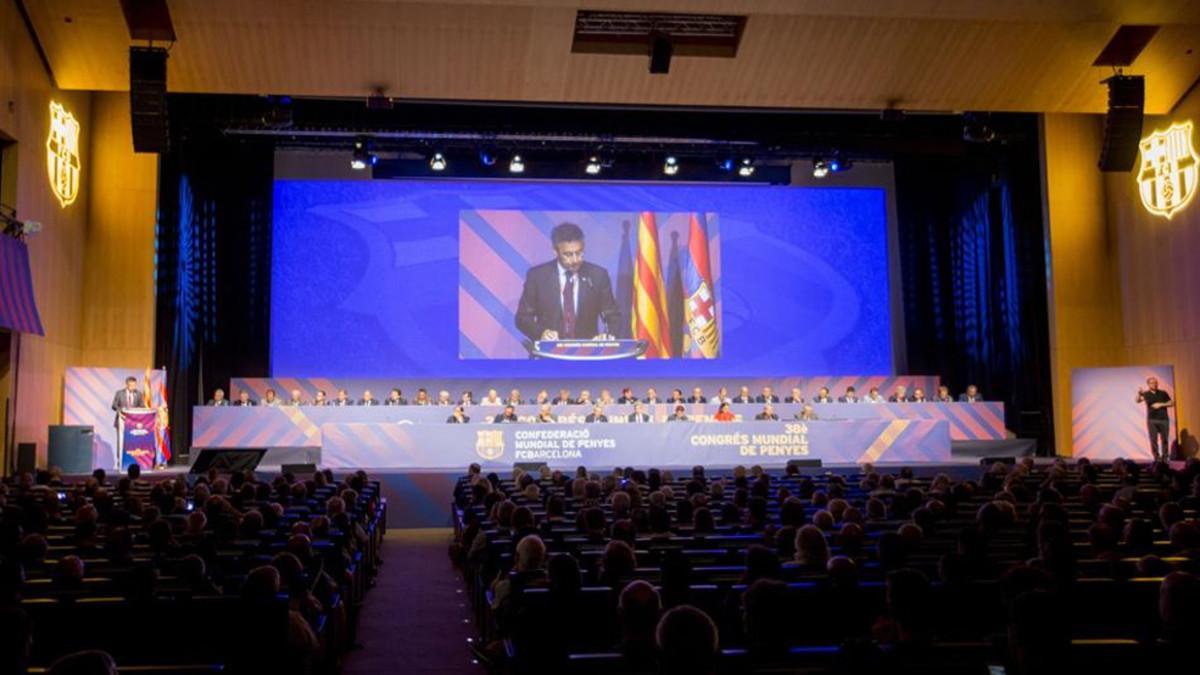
(416,619)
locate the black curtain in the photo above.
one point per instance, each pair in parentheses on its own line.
(973,270)
(213,262)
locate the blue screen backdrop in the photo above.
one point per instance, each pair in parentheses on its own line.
(365,277)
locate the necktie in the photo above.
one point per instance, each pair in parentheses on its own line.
(569,307)
(128,398)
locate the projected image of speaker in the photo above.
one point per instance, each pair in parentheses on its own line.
(148,99)
(1123,123)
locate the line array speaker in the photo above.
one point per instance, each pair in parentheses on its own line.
(148,99)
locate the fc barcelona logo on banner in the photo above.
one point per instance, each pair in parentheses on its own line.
(1168,173)
(489,444)
(62,154)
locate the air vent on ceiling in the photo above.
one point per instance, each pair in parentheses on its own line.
(634,32)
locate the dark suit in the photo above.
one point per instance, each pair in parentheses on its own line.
(677,418)
(627,400)
(963,398)
(343,402)
(763,399)
(371,402)
(501,419)
(847,399)
(823,399)
(592,419)
(454,420)
(399,401)
(245,404)
(563,401)
(633,417)
(214,402)
(794,399)
(693,399)
(124,399)
(762,417)
(743,399)
(540,307)
(895,399)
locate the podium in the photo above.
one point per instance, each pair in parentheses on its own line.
(586,350)
(137,441)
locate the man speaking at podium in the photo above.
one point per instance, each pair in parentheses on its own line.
(565,298)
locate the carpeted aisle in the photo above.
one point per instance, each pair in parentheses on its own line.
(416,619)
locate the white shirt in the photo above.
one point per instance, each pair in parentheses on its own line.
(562,283)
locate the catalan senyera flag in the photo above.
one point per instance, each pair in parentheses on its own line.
(650,320)
(162,426)
(703,340)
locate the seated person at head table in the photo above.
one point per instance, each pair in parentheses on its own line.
(676,396)
(627,397)
(270,399)
(443,398)
(971,395)
(296,399)
(244,399)
(900,395)
(873,396)
(343,399)
(563,398)
(851,395)
(795,396)
(459,416)
(679,415)
(724,414)
(943,395)
(767,414)
(395,397)
(721,397)
(697,396)
(320,398)
(744,396)
(422,397)
(651,396)
(606,398)
(807,413)
(767,396)
(823,396)
(597,415)
(492,399)
(509,416)
(514,398)
(918,396)
(545,415)
(585,397)
(639,414)
(368,398)
(218,400)
(543,396)
(466,398)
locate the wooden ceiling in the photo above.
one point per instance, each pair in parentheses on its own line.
(942,55)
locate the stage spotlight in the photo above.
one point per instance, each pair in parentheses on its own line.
(593,165)
(487,157)
(362,157)
(820,168)
(671,166)
(437,162)
(747,168)
(516,165)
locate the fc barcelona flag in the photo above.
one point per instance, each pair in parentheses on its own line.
(703,340)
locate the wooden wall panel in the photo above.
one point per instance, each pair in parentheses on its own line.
(56,254)
(118,269)
(1084,295)
(1160,275)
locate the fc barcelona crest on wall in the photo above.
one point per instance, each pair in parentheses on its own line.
(1168,173)
(62,154)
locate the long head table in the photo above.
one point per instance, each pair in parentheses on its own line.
(772,444)
(291,427)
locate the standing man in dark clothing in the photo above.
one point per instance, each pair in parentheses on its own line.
(1158,422)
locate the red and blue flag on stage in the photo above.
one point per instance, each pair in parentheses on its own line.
(702,339)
